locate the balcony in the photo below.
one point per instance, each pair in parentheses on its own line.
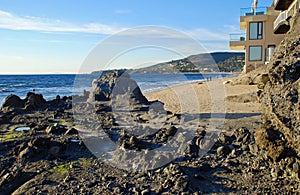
(281,25)
(248,15)
(237,41)
(250,12)
(282,4)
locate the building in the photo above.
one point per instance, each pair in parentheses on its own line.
(264,28)
(287,9)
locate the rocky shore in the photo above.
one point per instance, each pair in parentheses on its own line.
(43,150)
(116,140)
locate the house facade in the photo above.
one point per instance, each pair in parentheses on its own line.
(264,29)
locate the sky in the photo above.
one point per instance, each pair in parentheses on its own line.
(58,36)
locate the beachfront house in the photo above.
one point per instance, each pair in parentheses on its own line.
(264,29)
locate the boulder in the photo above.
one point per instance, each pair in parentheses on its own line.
(26,153)
(223,150)
(13,101)
(34,101)
(115,84)
(31,102)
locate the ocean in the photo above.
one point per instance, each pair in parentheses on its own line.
(63,84)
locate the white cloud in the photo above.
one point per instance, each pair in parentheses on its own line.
(203,34)
(122,11)
(14,22)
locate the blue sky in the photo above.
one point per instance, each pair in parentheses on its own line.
(52,36)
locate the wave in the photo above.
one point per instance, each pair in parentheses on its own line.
(151,87)
(6,90)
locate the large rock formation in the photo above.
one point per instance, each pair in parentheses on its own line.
(118,120)
(116,83)
(31,102)
(280,133)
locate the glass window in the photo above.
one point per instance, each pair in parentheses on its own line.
(255,53)
(269,52)
(256,30)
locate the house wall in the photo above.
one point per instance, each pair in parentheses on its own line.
(269,38)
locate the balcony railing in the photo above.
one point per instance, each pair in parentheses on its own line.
(237,37)
(281,18)
(252,12)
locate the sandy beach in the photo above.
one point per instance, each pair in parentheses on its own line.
(238,102)
(238,98)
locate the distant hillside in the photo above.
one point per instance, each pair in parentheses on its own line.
(226,61)
(233,64)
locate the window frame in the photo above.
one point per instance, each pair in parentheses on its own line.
(259,35)
(261,53)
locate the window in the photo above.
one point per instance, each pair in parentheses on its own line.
(256,30)
(255,53)
(269,52)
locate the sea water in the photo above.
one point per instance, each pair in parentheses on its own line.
(63,84)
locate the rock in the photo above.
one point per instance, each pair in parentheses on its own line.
(223,150)
(225,139)
(296,167)
(242,136)
(272,142)
(12,102)
(205,167)
(261,79)
(280,100)
(31,102)
(34,101)
(54,150)
(171,131)
(145,192)
(156,106)
(26,153)
(227,82)
(244,80)
(192,150)
(71,131)
(116,85)
(55,129)
(198,176)
(39,142)
(133,141)
(253,149)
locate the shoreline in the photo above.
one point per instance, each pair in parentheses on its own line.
(238,98)
(53,150)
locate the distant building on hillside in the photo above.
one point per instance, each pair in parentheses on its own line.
(265,28)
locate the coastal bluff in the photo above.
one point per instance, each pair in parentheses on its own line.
(278,137)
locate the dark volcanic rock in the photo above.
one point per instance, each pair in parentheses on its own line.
(55,129)
(13,101)
(31,102)
(113,84)
(34,101)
